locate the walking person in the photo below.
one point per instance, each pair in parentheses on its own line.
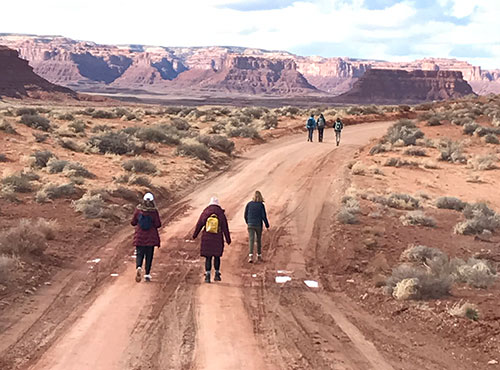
(255,215)
(338,126)
(321,127)
(310,125)
(213,222)
(146,220)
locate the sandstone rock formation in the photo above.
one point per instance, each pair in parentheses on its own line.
(18,80)
(385,86)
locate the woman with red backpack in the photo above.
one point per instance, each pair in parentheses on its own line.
(213,222)
(147,221)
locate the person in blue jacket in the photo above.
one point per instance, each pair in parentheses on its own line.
(311,126)
(255,215)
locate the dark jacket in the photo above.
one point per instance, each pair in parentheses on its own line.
(255,214)
(212,244)
(146,238)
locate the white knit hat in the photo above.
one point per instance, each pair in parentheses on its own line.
(214,200)
(149,197)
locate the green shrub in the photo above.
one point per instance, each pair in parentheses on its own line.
(139,166)
(18,183)
(404,130)
(195,150)
(159,134)
(114,143)
(450,203)
(35,121)
(217,142)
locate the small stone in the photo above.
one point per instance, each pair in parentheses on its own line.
(492,362)
(350,281)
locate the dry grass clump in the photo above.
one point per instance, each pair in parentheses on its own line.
(434,121)
(28,237)
(140,181)
(483,163)
(349,210)
(139,166)
(417,218)
(55,165)
(91,206)
(421,254)
(66,117)
(70,145)
(451,151)
(217,142)
(164,134)
(39,137)
(476,273)
(52,191)
(402,201)
(380,148)
(450,203)
(491,139)
(77,126)
(405,131)
(115,143)
(8,264)
(359,168)
(467,310)
(41,158)
(36,121)
(470,128)
(26,110)
(478,218)
(71,169)
(103,114)
(245,131)
(194,149)
(416,152)
(19,183)
(399,162)
(7,127)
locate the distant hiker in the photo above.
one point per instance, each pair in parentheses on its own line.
(255,215)
(321,127)
(213,222)
(146,220)
(310,125)
(338,126)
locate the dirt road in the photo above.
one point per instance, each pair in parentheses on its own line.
(248,321)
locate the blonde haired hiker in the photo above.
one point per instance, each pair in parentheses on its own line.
(255,215)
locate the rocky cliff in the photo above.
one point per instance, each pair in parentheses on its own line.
(18,80)
(385,86)
(87,66)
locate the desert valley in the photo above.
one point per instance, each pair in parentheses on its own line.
(382,253)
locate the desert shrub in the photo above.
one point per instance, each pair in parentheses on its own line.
(426,283)
(359,169)
(434,121)
(66,117)
(140,180)
(40,138)
(451,151)
(416,152)
(77,126)
(466,310)
(114,143)
(399,162)
(55,165)
(246,131)
(180,124)
(159,134)
(70,145)
(491,139)
(404,130)
(270,121)
(450,203)
(7,265)
(41,158)
(101,128)
(470,128)
(76,169)
(478,217)
(476,272)
(24,111)
(7,128)
(402,201)
(417,218)
(127,194)
(217,142)
(18,183)
(195,150)
(52,191)
(483,163)
(139,166)
(91,206)
(483,131)
(349,210)
(3,158)
(421,254)
(27,237)
(379,148)
(103,114)
(35,121)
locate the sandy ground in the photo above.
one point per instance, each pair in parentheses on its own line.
(248,320)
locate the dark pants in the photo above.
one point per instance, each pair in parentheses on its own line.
(320,133)
(145,252)
(337,136)
(208,263)
(255,232)
(310,134)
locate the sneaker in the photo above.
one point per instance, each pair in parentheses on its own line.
(147,278)
(250,258)
(138,274)
(217,276)
(207,277)
(259,258)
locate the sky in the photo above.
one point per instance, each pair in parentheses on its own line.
(391,30)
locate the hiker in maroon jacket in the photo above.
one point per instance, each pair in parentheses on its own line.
(146,220)
(212,239)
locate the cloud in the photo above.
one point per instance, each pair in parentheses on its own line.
(470,51)
(259,5)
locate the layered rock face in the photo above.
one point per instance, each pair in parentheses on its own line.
(18,80)
(385,86)
(86,66)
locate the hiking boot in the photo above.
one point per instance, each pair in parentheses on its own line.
(259,258)
(250,258)
(138,274)
(147,278)
(207,277)
(217,276)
